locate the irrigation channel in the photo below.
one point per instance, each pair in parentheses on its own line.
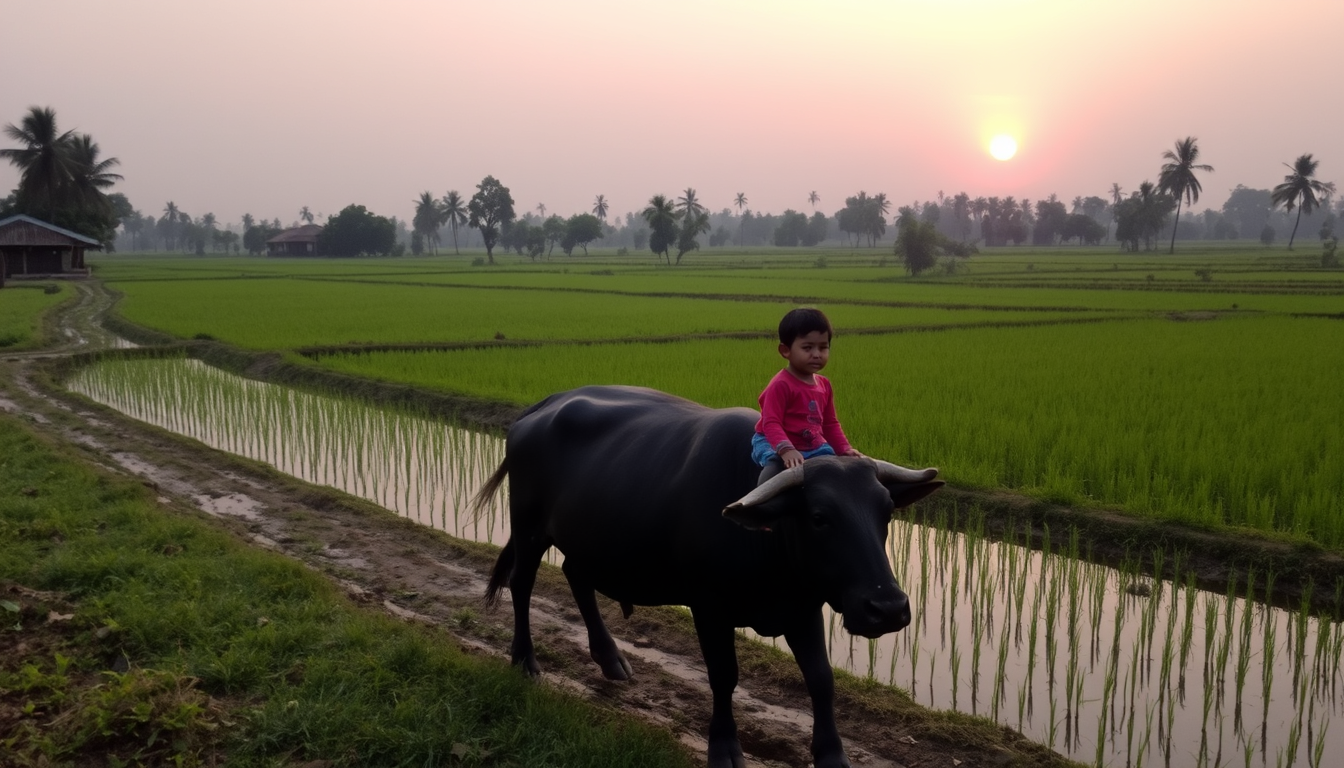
(1108,666)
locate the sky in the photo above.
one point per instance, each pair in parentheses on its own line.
(266,106)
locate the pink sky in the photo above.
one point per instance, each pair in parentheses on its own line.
(264,107)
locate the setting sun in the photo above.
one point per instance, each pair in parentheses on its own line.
(1003,147)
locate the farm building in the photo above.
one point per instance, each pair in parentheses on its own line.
(33,247)
(299,241)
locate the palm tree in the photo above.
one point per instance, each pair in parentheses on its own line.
(89,176)
(662,216)
(306,215)
(169,221)
(813,198)
(541,208)
(454,210)
(427,218)
(1178,178)
(43,162)
(688,204)
(1299,190)
(600,208)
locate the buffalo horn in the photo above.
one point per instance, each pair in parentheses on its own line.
(771,488)
(892,473)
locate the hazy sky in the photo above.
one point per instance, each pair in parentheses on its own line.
(264,106)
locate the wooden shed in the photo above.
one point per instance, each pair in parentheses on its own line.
(33,247)
(299,241)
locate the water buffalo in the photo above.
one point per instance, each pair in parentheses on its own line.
(652,499)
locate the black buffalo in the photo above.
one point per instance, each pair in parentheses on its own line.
(652,499)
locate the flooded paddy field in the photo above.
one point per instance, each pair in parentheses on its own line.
(1109,666)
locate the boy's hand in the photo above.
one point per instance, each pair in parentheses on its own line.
(854,452)
(791,458)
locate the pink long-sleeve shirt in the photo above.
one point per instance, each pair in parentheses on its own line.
(799,414)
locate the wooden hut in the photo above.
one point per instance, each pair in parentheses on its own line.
(299,241)
(30,246)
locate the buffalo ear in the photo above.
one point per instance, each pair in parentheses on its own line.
(905,494)
(762,516)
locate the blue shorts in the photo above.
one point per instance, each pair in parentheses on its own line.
(762,452)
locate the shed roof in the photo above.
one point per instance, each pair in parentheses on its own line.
(306,234)
(24,230)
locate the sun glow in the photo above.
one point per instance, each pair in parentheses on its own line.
(1003,147)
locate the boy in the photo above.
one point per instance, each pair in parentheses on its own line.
(798,406)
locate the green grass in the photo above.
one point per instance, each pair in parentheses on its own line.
(1231,422)
(302,674)
(21,310)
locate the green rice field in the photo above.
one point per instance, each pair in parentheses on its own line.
(1202,388)
(21,309)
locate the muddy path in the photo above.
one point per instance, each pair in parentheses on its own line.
(387,563)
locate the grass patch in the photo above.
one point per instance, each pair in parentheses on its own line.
(21,309)
(184,644)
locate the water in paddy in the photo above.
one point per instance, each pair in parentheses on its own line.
(1106,666)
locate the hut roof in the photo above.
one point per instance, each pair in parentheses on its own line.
(24,230)
(306,234)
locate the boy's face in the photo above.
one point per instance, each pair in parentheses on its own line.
(807,354)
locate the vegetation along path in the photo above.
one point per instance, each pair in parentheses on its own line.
(389,565)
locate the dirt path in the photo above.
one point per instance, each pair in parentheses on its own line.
(421,575)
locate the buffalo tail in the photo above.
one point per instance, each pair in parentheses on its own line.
(488,491)
(500,576)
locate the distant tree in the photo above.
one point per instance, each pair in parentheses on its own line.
(354,231)
(1141,217)
(169,222)
(688,205)
(490,208)
(661,216)
(541,209)
(961,215)
(1084,227)
(1267,236)
(1301,191)
(1051,217)
(692,226)
(1178,179)
(427,220)
(600,208)
(305,215)
(792,229)
(818,227)
(813,198)
(1247,209)
(554,230)
(741,202)
(454,210)
(580,230)
(865,216)
(918,244)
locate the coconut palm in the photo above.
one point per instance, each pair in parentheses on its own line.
(541,209)
(454,210)
(688,204)
(1299,190)
(89,176)
(741,202)
(43,160)
(169,223)
(428,218)
(813,198)
(661,215)
(600,208)
(305,215)
(1178,178)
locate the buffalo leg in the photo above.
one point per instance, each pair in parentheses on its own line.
(527,558)
(808,643)
(717,644)
(601,646)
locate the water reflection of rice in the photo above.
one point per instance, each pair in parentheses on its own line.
(1108,666)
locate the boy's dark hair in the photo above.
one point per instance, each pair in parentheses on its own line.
(802,321)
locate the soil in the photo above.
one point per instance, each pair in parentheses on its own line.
(390,564)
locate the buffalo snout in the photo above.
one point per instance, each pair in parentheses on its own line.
(878,613)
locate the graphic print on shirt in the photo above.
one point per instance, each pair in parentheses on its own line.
(813,417)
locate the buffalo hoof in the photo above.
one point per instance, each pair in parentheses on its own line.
(832,761)
(613,664)
(726,754)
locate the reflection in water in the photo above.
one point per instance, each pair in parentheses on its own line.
(1109,667)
